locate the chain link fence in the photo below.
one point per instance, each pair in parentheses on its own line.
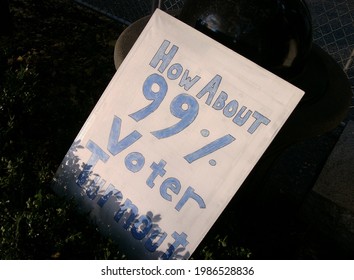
(128,11)
(333,30)
(332,23)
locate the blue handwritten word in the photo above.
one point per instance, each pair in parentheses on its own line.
(230,109)
(140,226)
(176,70)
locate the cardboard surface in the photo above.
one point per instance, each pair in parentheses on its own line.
(174,135)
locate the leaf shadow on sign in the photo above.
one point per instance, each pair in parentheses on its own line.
(68,170)
(137,235)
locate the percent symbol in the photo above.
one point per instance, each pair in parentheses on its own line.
(209,148)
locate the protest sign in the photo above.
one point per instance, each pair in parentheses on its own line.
(176,132)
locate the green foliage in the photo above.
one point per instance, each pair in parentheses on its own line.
(16,105)
(35,223)
(221,247)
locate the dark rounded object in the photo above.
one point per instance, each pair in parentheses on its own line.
(276,34)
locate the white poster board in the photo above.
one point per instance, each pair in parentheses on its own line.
(178,129)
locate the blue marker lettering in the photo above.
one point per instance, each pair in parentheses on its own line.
(151,245)
(180,239)
(260,119)
(157,170)
(97,155)
(163,56)
(127,205)
(212,88)
(190,194)
(141,227)
(115,146)
(111,190)
(172,184)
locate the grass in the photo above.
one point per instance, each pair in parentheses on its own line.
(54,68)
